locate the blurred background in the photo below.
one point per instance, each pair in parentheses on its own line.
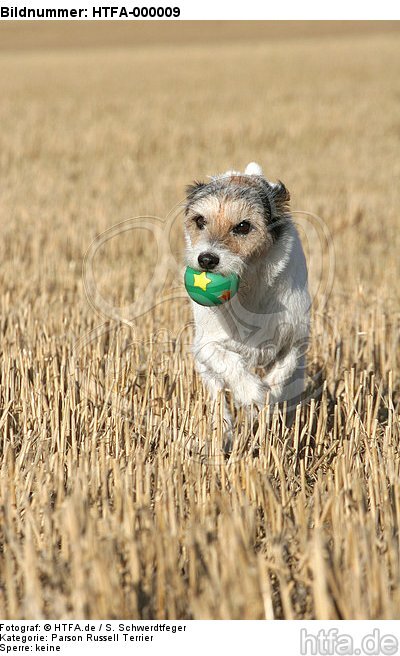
(101,121)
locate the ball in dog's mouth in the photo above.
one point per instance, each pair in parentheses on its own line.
(207,288)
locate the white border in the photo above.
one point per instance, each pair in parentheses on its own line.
(363,637)
(230,9)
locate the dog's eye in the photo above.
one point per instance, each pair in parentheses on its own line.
(242,228)
(200,222)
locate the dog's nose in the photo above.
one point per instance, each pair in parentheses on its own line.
(208,261)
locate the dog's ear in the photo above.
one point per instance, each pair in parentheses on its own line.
(191,192)
(281,198)
(192,189)
(276,207)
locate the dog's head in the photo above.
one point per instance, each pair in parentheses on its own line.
(233,219)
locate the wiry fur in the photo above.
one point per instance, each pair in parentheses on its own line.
(266,325)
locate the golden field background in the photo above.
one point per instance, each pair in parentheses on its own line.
(109,508)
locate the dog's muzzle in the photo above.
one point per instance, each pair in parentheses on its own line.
(208,261)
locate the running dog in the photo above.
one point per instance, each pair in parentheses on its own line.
(255,344)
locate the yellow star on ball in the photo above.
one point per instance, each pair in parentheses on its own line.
(201,280)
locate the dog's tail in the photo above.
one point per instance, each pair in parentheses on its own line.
(253,169)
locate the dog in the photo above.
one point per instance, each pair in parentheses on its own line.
(255,344)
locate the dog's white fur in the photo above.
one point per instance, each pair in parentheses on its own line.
(265,325)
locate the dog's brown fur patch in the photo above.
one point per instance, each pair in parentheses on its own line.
(221,217)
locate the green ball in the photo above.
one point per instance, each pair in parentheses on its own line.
(210,289)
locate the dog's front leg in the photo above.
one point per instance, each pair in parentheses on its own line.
(214,385)
(229,369)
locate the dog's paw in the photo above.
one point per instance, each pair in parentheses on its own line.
(250,392)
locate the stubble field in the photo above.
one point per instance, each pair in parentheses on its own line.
(110,508)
